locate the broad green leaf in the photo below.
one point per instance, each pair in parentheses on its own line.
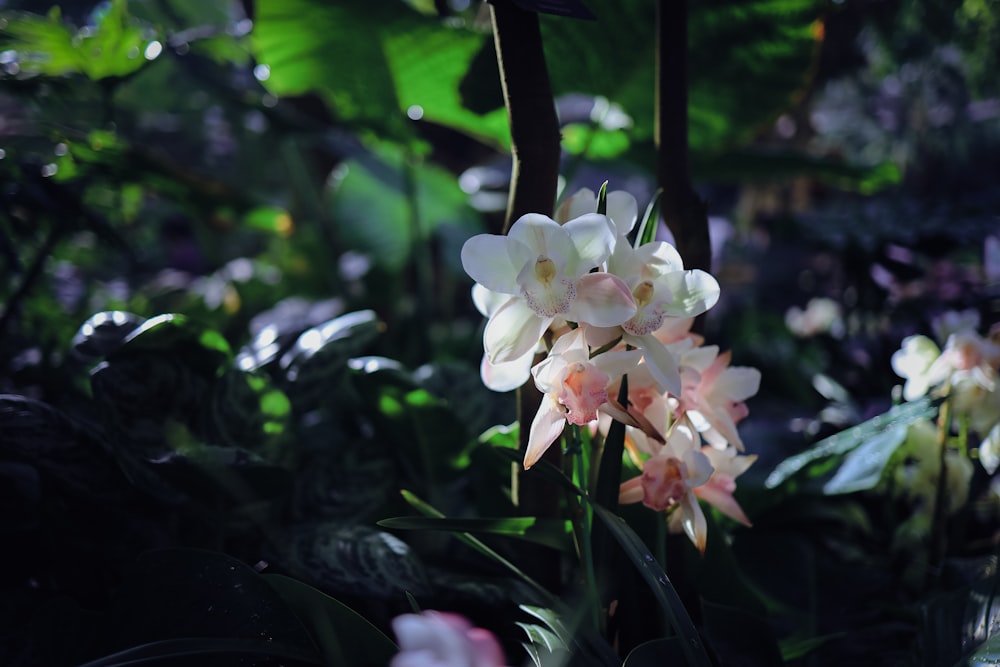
(549,532)
(819,458)
(748,60)
(343,636)
(863,467)
(190,593)
(374,64)
(385,202)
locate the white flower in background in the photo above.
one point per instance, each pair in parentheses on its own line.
(914,361)
(820,316)
(439,639)
(545,268)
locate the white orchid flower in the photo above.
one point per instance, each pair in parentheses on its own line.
(545,268)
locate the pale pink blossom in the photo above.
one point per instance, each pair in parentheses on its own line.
(574,388)
(714,395)
(441,639)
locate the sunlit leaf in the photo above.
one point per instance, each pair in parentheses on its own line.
(114,47)
(822,456)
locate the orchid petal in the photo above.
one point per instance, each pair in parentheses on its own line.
(602,300)
(723,500)
(623,211)
(593,236)
(513,331)
(486,259)
(535,234)
(630,491)
(507,375)
(693,292)
(545,429)
(660,360)
(738,383)
(693,521)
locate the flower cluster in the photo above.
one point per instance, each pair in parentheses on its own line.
(599,307)
(442,639)
(966,370)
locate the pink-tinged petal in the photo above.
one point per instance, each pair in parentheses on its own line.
(546,427)
(693,521)
(538,234)
(602,300)
(722,499)
(699,467)
(584,389)
(630,491)
(693,292)
(719,418)
(486,260)
(737,383)
(660,360)
(513,331)
(593,236)
(508,375)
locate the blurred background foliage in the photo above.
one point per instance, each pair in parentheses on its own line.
(234,317)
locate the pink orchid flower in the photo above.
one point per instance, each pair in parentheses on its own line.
(440,639)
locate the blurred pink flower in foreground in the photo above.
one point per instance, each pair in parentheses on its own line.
(440,639)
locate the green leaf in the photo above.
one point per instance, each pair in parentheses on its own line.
(189,593)
(386,203)
(820,457)
(769,56)
(373,63)
(474,543)
(552,533)
(863,467)
(659,584)
(217,651)
(650,221)
(738,636)
(343,636)
(114,47)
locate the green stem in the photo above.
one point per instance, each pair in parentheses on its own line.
(583,522)
(938,546)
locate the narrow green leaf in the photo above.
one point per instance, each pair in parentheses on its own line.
(602,199)
(650,220)
(552,533)
(659,584)
(656,653)
(427,510)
